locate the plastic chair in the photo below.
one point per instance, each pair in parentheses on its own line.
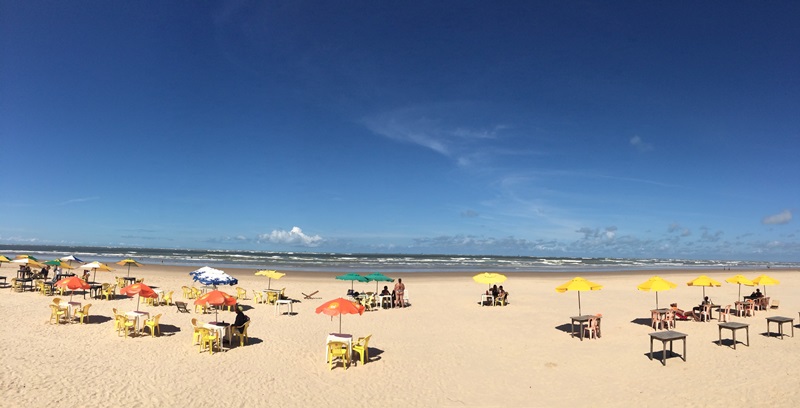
(272,297)
(750,308)
(152,324)
(208,340)
(197,335)
(187,293)
(655,320)
(117,320)
(338,349)
(80,314)
(669,319)
(109,292)
(203,308)
(243,335)
(168,298)
(591,327)
(241,294)
(127,325)
(725,314)
(57,314)
(258,296)
(705,314)
(361,347)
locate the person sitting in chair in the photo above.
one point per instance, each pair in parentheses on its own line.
(241,320)
(85,276)
(502,295)
(385,291)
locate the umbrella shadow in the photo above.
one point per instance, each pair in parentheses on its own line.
(566,328)
(97,319)
(168,329)
(245,307)
(643,321)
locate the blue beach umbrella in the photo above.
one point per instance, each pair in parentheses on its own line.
(210,276)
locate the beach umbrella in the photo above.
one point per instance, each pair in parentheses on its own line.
(378,277)
(271,275)
(128,262)
(216,298)
(70,258)
(4,259)
(94,266)
(489,278)
(339,307)
(352,277)
(211,276)
(26,257)
(28,261)
(765,280)
(59,263)
(740,280)
(72,283)
(579,285)
(703,281)
(656,284)
(139,289)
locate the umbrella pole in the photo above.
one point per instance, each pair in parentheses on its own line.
(129,270)
(138,298)
(656,300)
(340,323)
(579,303)
(269,283)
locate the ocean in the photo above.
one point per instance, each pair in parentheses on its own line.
(345,262)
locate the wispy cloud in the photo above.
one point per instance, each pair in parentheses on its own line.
(434,128)
(781,218)
(78,200)
(295,236)
(640,144)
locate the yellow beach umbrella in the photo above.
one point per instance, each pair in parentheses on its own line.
(489,278)
(765,280)
(271,275)
(703,281)
(4,259)
(128,262)
(28,262)
(740,280)
(579,285)
(656,284)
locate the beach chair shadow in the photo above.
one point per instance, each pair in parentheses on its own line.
(374,354)
(310,295)
(168,329)
(250,341)
(566,328)
(643,321)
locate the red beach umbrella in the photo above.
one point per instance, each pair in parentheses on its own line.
(138,289)
(72,283)
(339,307)
(216,298)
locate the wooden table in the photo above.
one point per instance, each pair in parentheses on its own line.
(780,320)
(664,337)
(733,326)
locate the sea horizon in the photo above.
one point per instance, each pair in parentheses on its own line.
(384,262)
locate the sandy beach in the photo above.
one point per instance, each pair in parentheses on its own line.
(443,350)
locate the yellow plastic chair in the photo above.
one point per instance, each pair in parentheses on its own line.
(168,298)
(187,293)
(196,293)
(258,296)
(127,325)
(197,336)
(117,320)
(15,285)
(209,340)
(81,313)
(150,301)
(152,324)
(45,290)
(283,294)
(338,349)
(203,308)
(243,335)
(361,347)
(272,297)
(241,294)
(57,314)
(60,290)
(109,292)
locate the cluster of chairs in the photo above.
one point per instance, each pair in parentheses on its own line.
(338,352)
(191,292)
(264,297)
(209,339)
(126,326)
(59,313)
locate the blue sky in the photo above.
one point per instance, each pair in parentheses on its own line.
(619,129)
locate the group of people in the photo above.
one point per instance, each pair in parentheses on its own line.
(397,294)
(695,314)
(755,295)
(499,294)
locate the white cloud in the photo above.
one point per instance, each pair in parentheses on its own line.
(78,200)
(294,237)
(778,219)
(640,145)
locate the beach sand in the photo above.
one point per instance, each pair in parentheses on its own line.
(443,350)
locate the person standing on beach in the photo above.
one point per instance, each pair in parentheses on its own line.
(399,289)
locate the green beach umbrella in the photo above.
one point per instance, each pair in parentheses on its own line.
(352,277)
(378,277)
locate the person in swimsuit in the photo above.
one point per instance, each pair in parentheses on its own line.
(399,288)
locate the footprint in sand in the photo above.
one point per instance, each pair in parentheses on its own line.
(551,365)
